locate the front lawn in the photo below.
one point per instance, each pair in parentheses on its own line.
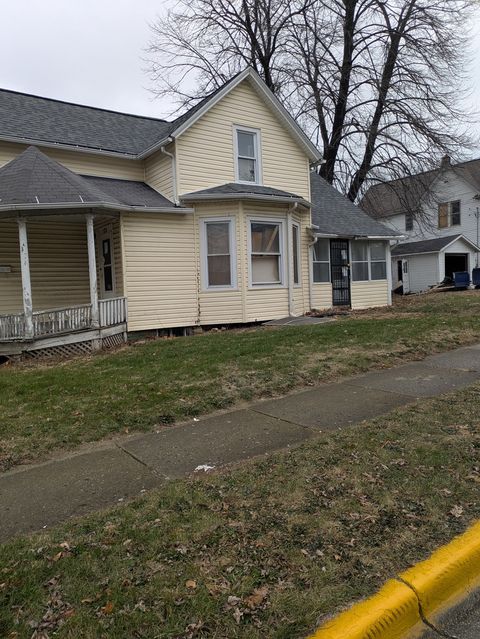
(263,550)
(150,385)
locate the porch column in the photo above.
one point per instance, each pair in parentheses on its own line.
(92,270)
(26,283)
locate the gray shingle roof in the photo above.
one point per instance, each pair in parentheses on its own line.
(407,194)
(424,246)
(39,119)
(337,215)
(33,179)
(44,120)
(236,189)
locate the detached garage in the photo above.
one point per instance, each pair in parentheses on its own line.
(419,265)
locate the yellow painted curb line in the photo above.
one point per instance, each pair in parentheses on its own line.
(450,573)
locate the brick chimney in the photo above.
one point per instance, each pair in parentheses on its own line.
(445,162)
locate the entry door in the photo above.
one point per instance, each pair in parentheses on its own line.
(405,277)
(106,261)
(339,262)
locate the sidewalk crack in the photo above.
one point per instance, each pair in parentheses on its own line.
(137,459)
(429,624)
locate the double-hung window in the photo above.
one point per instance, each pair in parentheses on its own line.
(296,253)
(266,253)
(409,221)
(369,261)
(321,261)
(218,250)
(247,151)
(449,214)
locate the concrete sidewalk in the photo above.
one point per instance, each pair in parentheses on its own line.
(36,497)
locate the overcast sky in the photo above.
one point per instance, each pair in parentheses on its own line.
(90,51)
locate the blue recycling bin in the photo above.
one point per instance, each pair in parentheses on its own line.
(476,277)
(461,279)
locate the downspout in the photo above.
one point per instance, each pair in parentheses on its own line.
(291,302)
(174,174)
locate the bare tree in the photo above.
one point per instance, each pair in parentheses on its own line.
(379,84)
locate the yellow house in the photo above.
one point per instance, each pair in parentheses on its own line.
(112,222)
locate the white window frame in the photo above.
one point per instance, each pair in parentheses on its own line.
(258,153)
(204,254)
(314,261)
(283,251)
(368,261)
(296,225)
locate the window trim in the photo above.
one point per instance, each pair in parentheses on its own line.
(283,251)
(313,261)
(449,223)
(206,287)
(258,153)
(296,225)
(369,262)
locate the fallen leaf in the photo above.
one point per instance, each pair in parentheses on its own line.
(107,609)
(237,615)
(191,583)
(257,596)
(457,511)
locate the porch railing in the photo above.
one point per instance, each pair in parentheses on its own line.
(58,321)
(113,311)
(62,320)
(12,327)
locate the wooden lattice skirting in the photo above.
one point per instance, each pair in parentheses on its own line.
(63,350)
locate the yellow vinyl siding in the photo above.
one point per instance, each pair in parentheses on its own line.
(161,281)
(369,294)
(58,264)
(226,306)
(158,172)
(205,152)
(321,295)
(82,163)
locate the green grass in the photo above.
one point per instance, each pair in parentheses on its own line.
(149,385)
(264,550)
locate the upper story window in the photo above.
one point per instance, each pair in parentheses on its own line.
(247,155)
(449,214)
(409,221)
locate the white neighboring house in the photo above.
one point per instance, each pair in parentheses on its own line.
(438,212)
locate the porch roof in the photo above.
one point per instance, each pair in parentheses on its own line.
(33,181)
(241,191)
(335,215)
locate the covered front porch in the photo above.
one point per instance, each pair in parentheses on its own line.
(60,283)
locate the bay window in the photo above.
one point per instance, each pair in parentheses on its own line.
(218,263)
(266,253)
(296,253)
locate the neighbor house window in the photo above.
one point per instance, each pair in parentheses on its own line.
(368,261)
(408,221)
(266,252)
(218,253)
(296,253)
(321,261)
(449,214)
(247,148)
